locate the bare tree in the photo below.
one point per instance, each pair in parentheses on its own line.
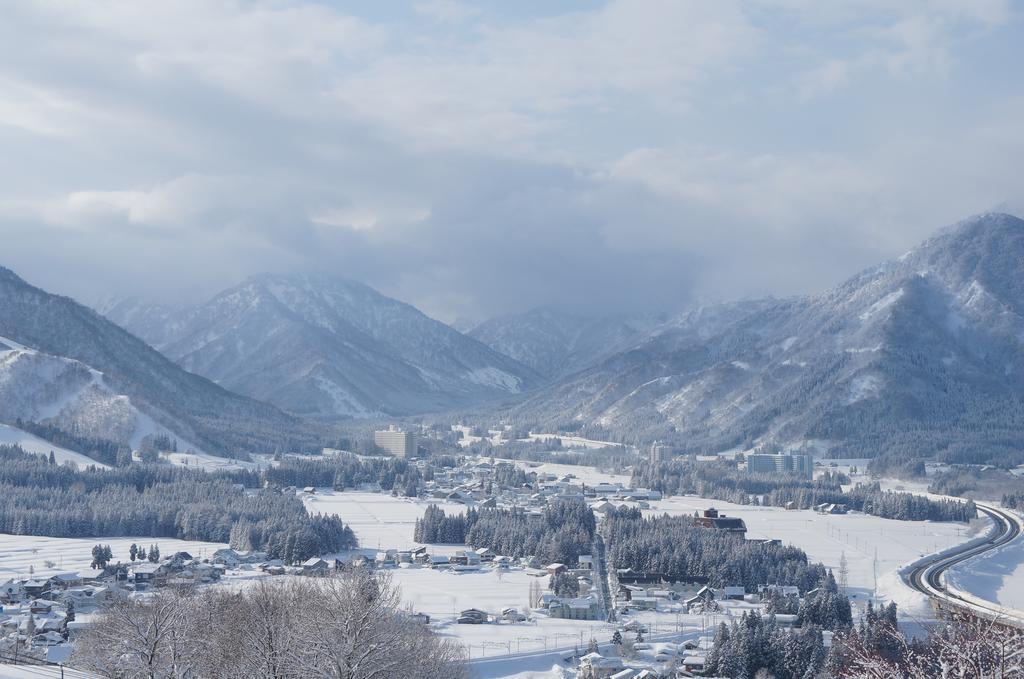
(357,629)
(137,639)
(348,626)
(959,649)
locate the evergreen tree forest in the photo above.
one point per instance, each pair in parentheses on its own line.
(563,531)
(676,547)
(756,646)
(39,498)
(724,480)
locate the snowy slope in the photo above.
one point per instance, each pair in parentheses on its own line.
(63,364)
(9,436)
(921,355)
(329,347)
(38,387)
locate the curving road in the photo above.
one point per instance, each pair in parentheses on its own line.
(926,575)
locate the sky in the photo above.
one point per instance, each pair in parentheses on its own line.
(481,159)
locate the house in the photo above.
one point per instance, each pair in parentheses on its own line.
(644,603)
(485,554)
(512,615)
(41,606)
(586,562)
(36,588)
(309,490)
(489,503)
(830,508)
(315,566)
(12,591)
(627,592)
(780,590)
(473,616)
(583,608)
(466,558)
(65,580)
(729,524)
(693,663)
(227,556)
(556,568)
(144,574)
(597,666)
(421,618)
(440,561)
(702,601)
(734,593)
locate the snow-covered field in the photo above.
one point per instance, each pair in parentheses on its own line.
(589,475)
(996,576)
(18,552)
(379,520)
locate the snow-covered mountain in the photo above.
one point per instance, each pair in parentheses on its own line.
(64,365)
(556,343)
(921,355)
(328,347)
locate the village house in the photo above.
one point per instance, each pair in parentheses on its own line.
(145,574)
(729,524)
(473,616)
(596,666)
(584,608)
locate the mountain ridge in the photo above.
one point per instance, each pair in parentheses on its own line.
(917,356)
(328,347)
(58,330)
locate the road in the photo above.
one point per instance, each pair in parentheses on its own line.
(926,577)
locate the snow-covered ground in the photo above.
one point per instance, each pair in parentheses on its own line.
(33,444)
(588,475)
(996,576)
(379,520)
(18,552)
(572,441)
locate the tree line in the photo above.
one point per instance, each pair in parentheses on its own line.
(676,547)
(38,497)
(561,532)
(724,480)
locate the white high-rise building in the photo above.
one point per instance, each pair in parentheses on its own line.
(398,442)
(659,453)
(772,463)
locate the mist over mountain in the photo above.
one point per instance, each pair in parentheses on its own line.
(64,365)
(557,342)
(328,347)
(918,356)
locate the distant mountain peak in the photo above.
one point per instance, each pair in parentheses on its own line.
(327,346)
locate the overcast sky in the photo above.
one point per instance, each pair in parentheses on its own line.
(477,159)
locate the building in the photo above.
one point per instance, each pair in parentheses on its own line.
(659,453)
(398,442)
(791,463)
(729,524)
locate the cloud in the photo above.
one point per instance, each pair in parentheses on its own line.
(629,155)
